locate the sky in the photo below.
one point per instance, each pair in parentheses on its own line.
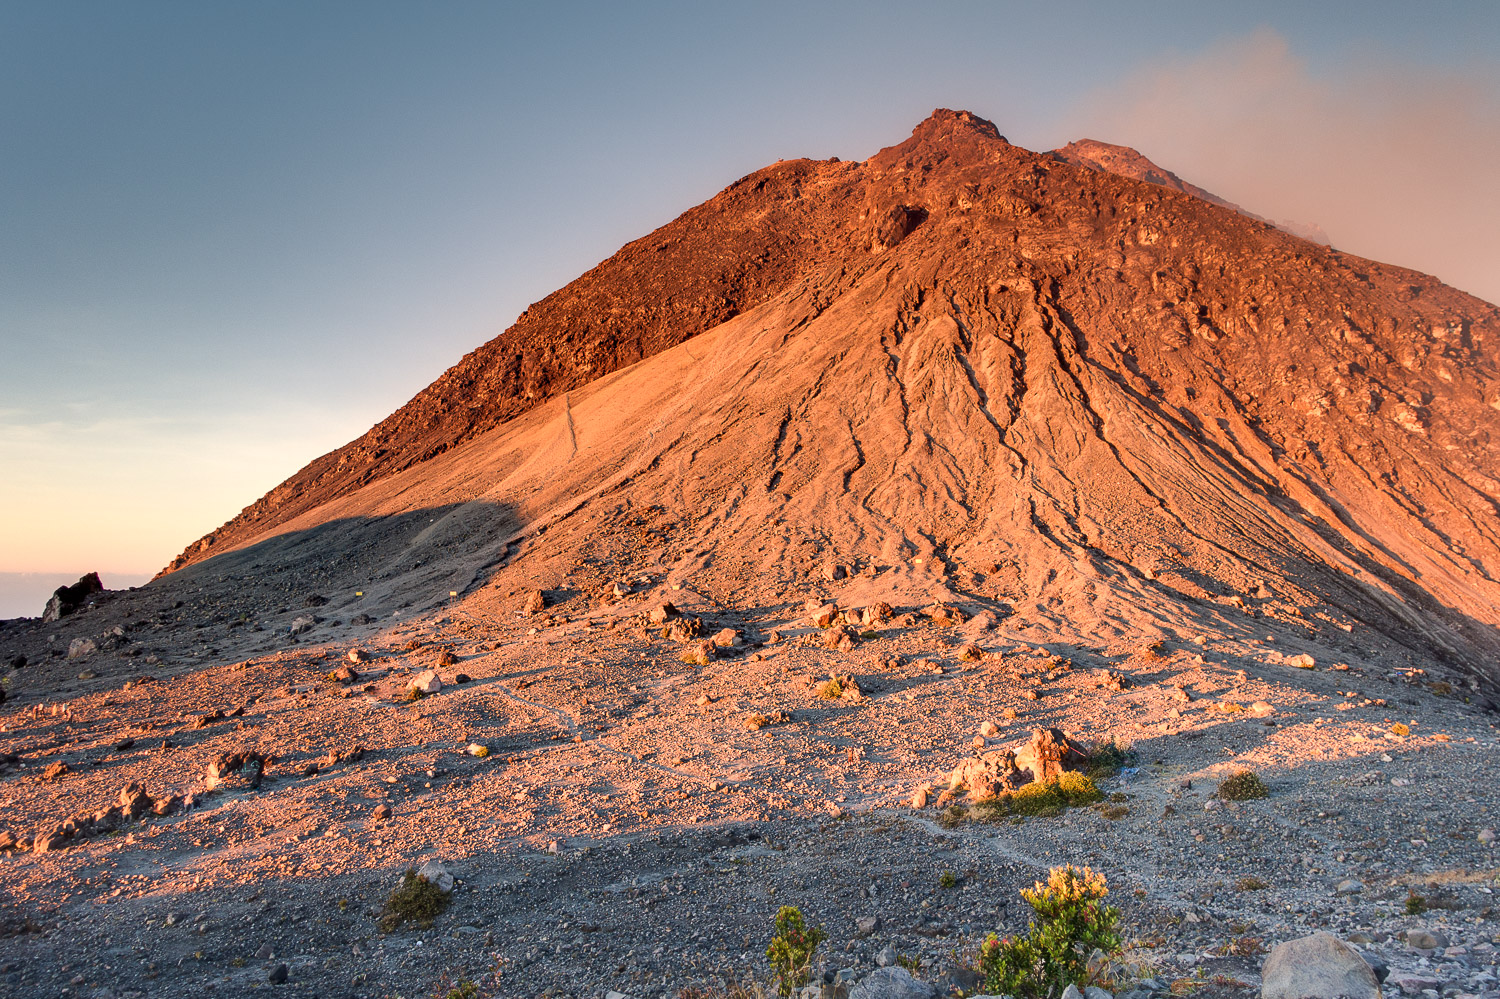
(236,235)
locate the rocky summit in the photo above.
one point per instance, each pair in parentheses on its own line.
(872,539)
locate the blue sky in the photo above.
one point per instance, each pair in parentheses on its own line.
(236,235)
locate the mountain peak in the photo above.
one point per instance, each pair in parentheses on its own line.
(944,121)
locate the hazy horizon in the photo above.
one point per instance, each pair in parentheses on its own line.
(24,594)
(238,237)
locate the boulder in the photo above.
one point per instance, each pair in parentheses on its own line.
(1047,754)
(535,603)
(892,983)
(823,615)
(726,638)
(661,612)
(426,682)
(1320,966)
(79,647)
(67,599)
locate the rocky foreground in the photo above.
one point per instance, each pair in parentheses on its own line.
(618,817)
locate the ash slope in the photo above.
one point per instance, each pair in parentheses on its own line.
(1101,406)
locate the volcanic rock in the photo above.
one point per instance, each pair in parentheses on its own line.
(66,600)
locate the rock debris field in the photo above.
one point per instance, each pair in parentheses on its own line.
(617,818)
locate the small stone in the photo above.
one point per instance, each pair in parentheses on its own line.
(1486,836)
(79,647)
(919,798)
(461,678)
(265,953)
(1349,886)
(434,873)
(726,639)
(361,619)
(889,982)
(989,729)
(661,612)
(1071,992)
(358,656)
(971,653)
(426,682)
(834,571)
(886,956)
(535,603)
(865,925)
(1425,939)
(1320,966)
(447,658)
(1303,661)
(382,811)
(1095,992)
(277,975)
(478,749)
(302,624)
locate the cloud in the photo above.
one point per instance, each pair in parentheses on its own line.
(1396,161)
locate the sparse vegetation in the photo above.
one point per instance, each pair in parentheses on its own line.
(1250,883)
(1243,785)
(1114,812)
(1072,922)
(947,879)
(1415,904)
(415,900)
(831,690)
(1109,758)
(412,694)
(791,950)
(1400,729)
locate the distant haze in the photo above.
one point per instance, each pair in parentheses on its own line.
(24,594)
(1396,162)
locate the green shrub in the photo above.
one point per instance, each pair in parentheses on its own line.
(415,900)
(1071,924)
(1242,786)
(1043,799)
(947,879)
(1251,883)
(831,690)
(791,950)
(1109,758)
(1415,904)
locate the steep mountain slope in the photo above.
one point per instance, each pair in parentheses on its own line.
(1097,405)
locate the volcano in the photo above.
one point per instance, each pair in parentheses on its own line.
(753,567)
(1091,404)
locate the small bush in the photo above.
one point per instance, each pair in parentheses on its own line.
(1243,786)
(1109,758)
(1415,904)
(791,950)
(1114,812)
(415,900)
(947,879)
(1399,729)
(831,690)
(1071,924)
(1251,883)
(1039,799)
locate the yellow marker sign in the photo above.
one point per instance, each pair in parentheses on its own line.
(452,593)
(359,593)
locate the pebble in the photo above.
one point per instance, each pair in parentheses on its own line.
(277,975)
